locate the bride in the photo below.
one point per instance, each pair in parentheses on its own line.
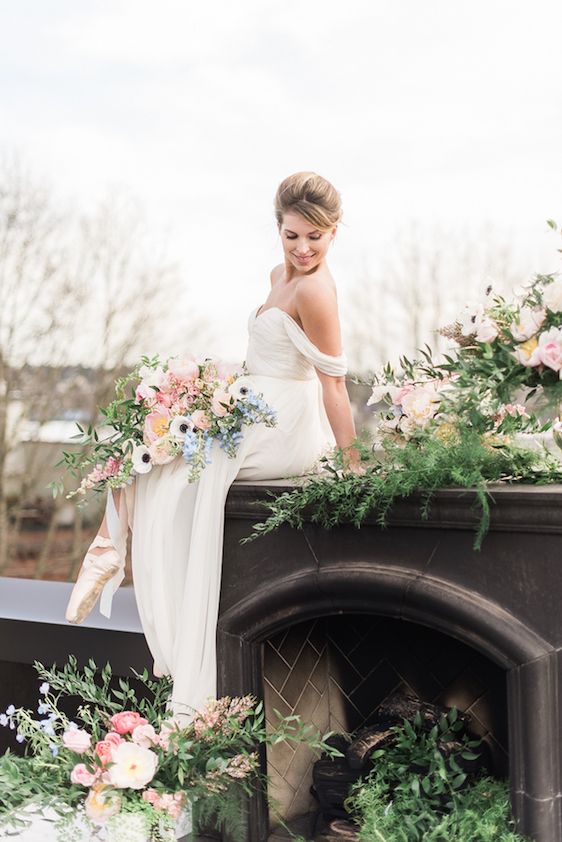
(296,360)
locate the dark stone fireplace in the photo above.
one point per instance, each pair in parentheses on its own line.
(329,622)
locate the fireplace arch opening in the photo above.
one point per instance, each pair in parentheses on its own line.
(336,672)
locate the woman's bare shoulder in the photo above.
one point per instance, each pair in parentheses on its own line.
(276,273)
(318,288)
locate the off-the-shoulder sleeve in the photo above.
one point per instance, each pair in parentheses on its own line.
(326,363)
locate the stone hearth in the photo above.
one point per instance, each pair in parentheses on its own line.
(294,594)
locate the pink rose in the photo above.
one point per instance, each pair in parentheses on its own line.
(550,348)
(151,796)
(77,740)
(201,420)
(126,721)
(145,736)
(156,424)
(81,776)
(184,368)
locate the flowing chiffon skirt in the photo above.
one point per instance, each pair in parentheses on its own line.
(177,528)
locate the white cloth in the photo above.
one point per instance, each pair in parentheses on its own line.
(177,529)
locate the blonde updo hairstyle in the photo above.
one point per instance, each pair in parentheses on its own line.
(311,196)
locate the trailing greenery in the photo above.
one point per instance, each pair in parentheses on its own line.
(452,457)
(419,790)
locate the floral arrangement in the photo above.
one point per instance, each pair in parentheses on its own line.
(487,411)
(164,409)
(126,766)
(504,376)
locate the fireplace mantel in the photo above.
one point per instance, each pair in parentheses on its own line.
(505,601)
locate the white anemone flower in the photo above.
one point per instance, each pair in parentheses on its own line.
(142,460)
(239,389)
(179,426)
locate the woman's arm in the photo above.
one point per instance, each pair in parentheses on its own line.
(318,311)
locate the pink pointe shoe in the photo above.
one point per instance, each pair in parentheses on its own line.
(95,572)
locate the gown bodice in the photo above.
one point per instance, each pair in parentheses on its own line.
(279,347)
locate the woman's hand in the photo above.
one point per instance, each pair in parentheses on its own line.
(352,461)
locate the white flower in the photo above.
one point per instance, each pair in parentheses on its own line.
(379,392)
(469,316)
(152,376)
(133,766)
(421,404)
(239,389)
(142,461)
(179,426)
(530,320)
(552,296)
(486,329)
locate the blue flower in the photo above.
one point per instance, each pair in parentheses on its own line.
(44,689)
(10,710)
(20,738)
(46,727)
(54,749)
(43,708)
(3,720)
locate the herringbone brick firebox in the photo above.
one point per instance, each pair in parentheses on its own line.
(336,671)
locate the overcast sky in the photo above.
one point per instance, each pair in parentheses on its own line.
(442,111)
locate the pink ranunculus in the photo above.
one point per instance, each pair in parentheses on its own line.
(550,348)
(220,402)
(77,740)
(156,424)
(81,776)
(145,736)
(126,721)
(184,369)
(201,420)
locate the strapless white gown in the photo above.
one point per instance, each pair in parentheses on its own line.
(177,527)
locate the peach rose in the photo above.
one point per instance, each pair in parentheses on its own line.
(160,452)
(77,740)
(220,402)
(201,420)
(126,721)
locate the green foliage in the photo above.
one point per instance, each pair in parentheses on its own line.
(418,791)
(210,760)
(460,459)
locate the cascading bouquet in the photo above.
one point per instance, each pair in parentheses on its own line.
(126,770)
(164,409)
